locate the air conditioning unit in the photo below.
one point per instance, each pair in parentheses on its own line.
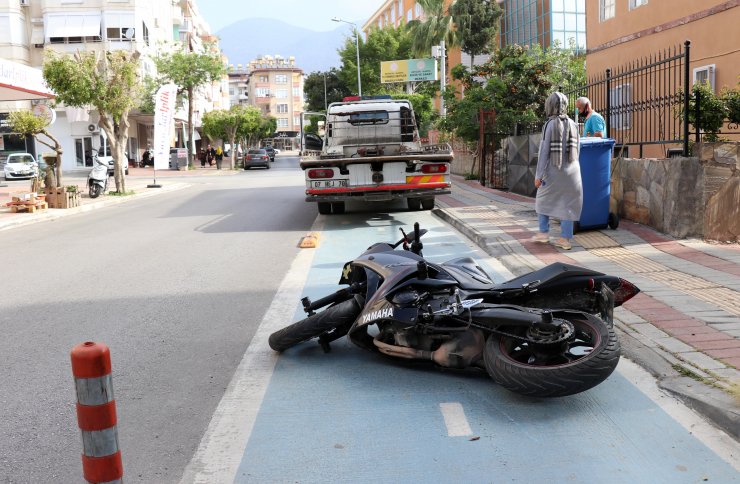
(93,128)
(704,74)
(25,3)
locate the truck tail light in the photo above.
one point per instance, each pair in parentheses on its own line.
(437,168)
(321,173)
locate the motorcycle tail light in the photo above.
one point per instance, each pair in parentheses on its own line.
(321,173)
(436,168)
(624,292)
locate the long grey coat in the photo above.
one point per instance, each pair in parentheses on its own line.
(561,194)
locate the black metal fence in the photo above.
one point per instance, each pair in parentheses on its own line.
(642,101)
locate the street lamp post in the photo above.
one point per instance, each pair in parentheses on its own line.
(357,49)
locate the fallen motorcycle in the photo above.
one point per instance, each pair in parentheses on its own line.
(561,343)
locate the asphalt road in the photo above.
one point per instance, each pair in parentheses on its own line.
(175,285)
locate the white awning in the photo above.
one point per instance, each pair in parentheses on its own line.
(72,25)
(121,20)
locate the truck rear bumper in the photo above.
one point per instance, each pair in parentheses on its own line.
(375,196)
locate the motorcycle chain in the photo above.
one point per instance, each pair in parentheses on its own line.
(509,335)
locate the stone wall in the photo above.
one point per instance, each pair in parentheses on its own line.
(683,197)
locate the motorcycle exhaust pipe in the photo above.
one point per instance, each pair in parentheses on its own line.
(459,352)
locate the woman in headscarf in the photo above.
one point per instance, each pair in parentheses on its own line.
(558,176)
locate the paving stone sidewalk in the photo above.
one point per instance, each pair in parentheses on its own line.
(684,326)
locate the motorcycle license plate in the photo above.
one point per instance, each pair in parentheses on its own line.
(329,184)
(606,305)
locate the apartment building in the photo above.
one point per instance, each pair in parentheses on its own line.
(544,22)
(621,30)
(28,28)
(275,87)
(238,85)
(623,33)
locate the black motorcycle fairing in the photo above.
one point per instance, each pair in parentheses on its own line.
(469,275)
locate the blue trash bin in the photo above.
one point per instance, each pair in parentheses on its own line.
(595,159)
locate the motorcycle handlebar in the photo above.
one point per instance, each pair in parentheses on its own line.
(408,238)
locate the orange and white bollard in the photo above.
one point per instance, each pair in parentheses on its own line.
(96,413)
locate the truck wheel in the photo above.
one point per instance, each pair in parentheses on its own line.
(324,208)
(427,203)
(337,207)
(413,203)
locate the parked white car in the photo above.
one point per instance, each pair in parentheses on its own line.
(20,166)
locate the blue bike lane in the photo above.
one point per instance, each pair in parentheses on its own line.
(355,416)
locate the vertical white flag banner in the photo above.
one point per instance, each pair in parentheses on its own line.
(164,111)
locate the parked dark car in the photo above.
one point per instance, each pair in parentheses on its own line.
(270,152)
(256,157)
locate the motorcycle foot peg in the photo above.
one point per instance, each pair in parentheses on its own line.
(324,343)
(306,304)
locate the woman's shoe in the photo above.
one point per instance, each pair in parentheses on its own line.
(541,237)
(563,244)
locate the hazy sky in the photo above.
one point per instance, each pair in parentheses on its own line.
(310,14)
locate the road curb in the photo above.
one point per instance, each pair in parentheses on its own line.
(712,403)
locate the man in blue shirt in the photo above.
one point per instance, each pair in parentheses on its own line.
(594,124)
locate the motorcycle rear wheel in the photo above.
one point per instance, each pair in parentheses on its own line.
(580,363)
(340,315)
(94,190)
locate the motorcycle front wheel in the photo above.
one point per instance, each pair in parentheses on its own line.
(94,190)
(583,361)
(340,315)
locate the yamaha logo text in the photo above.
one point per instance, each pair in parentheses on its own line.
(379,314)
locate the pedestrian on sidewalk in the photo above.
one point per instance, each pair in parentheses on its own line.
(558,175)
(594,124)
(219,157)
(202,155)
(210,155)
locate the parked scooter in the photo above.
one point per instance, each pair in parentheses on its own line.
(528,339)
(97,180)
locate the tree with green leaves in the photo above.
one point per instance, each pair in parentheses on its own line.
(27,123)
(313,88)
(384,44)
(189,71)
(108,82)
(232,124)
(476,23)
(436,26)
(515,83)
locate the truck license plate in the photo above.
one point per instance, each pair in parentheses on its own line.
(329,183)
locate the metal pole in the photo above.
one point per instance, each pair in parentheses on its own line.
(686,94)
(357,48)
(608,103)
(443,78)
(325,105)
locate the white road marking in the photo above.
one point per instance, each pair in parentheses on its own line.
(455,421)
(718,441)
(222,447)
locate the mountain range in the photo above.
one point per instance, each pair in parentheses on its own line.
(247,39)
